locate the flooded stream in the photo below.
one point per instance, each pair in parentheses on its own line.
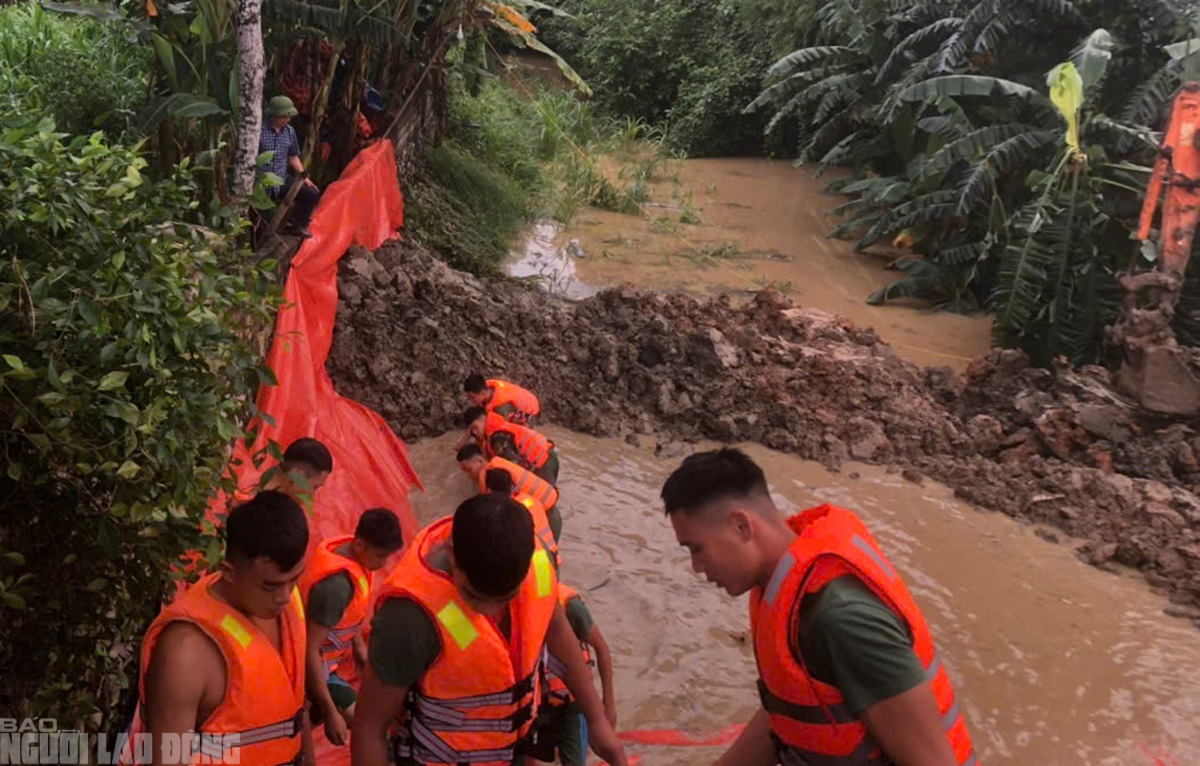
(760,223)
(1056,662)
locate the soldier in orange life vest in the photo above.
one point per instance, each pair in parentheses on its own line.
(522,484)
(227,656)
(508,400)
(500,481)
(456,645)
(336,589)
(848,673)
(525,446)
(561,730)
(305,462)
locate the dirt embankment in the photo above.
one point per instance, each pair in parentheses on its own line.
(1056,447)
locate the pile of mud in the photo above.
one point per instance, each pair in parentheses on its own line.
(1056,447)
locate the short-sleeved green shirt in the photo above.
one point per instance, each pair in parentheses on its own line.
(506,410)
(579,617)
(329,599)
(405,642)
(852,640)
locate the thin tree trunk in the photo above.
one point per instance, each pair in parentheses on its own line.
(251,70)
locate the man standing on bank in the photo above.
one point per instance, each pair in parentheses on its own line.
(848,673)
(279,136)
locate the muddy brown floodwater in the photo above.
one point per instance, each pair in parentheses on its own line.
(1056,662)
(762,222)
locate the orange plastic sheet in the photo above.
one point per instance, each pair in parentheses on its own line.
(370,464)
(371,468)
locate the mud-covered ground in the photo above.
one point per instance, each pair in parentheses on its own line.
(1056,447)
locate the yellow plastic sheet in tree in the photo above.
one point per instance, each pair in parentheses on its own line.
(1066,92)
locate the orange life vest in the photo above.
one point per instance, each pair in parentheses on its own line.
(525,404)
(541,526)
(477,702)
(327,562)
(264,689)
(533,447)
(810,721)
(525,482)
(557,693)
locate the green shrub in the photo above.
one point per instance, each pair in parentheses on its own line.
(465,209)
(125,372)
(691,64)
(499,130)
(479,188)
(84,73)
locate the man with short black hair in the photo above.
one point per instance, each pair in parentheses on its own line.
(227,656)
(456,646)
(508,400)
(523,483)
(499,438)
(500,481)
(848,670)
(305,461)
(336,589)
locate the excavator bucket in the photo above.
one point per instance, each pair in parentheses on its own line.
(1156,370)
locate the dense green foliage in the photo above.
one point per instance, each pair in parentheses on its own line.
(481,184)
(691,65)
(511,156)
(85,74)
(126,373)
(1016,181)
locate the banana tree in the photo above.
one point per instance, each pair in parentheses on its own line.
(1043,183)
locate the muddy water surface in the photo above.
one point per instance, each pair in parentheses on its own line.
(1057,662)
(761,223)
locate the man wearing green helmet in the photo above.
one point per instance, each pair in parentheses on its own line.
(279,136)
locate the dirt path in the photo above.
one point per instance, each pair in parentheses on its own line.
(1056,448)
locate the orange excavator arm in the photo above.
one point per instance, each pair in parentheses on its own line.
(1178,171)
(1156,371)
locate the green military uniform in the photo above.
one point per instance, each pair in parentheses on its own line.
(405,642)
(327,602)
(563,729)
(852,640)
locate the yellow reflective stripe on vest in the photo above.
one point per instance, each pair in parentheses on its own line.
(234,627)
(362,583)
(458,625)
(541,570)
(299,602)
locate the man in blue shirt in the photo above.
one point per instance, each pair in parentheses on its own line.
(280,137)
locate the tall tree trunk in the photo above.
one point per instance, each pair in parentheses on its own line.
(251,70)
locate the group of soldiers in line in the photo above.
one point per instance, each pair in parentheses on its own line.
(477,654)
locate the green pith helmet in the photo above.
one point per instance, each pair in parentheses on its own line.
(281,106)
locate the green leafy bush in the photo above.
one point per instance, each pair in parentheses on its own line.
(465,209)
(126,368)
(87,74)
(690,64)
(1008,199)
(479,187)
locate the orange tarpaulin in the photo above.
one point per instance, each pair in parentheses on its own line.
(370,464)
(371,469)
